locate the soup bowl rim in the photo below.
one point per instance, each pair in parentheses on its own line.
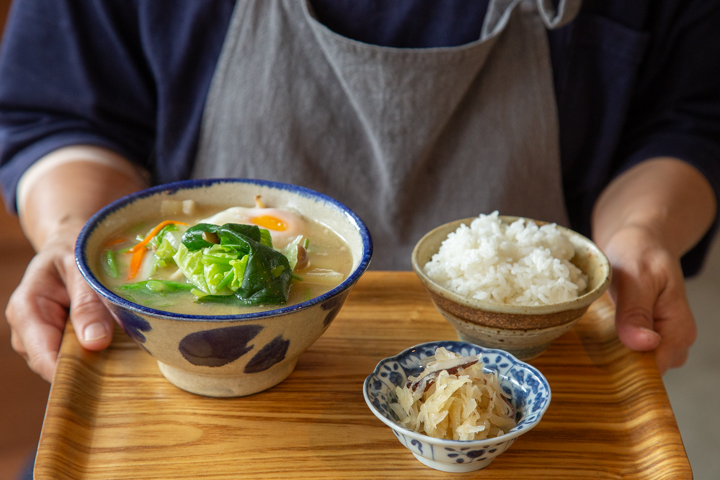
(82,263)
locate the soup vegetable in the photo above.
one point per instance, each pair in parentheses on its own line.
(202,261)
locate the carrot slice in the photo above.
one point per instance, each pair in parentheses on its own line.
(113,242)
(152,233)
(135,263)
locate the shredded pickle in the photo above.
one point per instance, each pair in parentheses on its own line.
(454,399)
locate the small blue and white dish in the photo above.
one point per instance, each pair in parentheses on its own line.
(526,387)
(225,355)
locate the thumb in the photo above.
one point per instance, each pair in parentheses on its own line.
(635,298)
(91,320)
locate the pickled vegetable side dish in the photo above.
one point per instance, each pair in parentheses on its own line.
(453,398)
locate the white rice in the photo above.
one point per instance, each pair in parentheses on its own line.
(519,264)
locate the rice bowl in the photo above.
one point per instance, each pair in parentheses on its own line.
(526,331)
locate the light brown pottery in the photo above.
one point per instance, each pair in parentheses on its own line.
(524,331)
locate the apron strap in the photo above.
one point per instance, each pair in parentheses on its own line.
(499,12)
(497,16)
(556,18)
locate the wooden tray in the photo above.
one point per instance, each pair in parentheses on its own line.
(111,415)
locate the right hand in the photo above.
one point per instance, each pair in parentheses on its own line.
(648,289)
(51,288)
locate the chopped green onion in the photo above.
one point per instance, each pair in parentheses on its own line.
(158,238)
(277,271)
(156,286)
(198,293)
(266,238)
(109,264)
(216,259)
(226,280)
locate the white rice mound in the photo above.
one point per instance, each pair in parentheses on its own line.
(516,264)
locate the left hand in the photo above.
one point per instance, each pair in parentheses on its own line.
(652,310)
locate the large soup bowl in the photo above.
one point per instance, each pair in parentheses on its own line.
(225,355)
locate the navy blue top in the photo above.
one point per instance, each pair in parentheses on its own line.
(633,80)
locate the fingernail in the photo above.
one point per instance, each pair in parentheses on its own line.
(651,334)
(94,331)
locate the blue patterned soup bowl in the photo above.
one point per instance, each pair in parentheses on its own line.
(236,353)
(528,390)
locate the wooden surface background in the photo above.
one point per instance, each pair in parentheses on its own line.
(111,415)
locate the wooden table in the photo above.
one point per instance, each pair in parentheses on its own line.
(111,415)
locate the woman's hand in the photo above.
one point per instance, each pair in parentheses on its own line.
(38,309)
(644,221)
(652,311)
(60,193)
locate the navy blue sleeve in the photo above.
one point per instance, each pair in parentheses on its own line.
(72,73)
(637,80)
(676,110)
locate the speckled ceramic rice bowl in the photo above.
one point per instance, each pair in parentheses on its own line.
(226,355)
(526,331)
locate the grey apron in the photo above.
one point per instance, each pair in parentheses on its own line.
(407,138)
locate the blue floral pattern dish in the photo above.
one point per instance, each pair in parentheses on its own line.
(526,387)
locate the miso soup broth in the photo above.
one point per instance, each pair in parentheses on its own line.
(155,279)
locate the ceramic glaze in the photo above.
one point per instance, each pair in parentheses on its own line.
(333,307)
(132,324)
(217,347)
(272,353)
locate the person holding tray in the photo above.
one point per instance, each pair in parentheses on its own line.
(604,117)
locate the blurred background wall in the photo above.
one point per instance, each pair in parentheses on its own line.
(23,394)
(693,389)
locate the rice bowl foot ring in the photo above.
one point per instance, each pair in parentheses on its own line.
(225,385)
(523,344)
(454,467)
